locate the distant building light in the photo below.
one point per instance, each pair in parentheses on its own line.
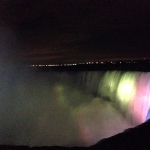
(113,62)
(51,65)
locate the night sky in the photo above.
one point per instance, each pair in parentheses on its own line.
(68,31)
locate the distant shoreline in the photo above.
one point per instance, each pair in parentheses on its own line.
(105,67)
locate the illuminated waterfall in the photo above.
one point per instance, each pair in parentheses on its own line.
(129,91)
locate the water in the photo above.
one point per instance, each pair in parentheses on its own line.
(69,108)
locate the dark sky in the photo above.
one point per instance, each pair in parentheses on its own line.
(59,31)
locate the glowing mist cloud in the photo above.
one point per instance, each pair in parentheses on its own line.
(97,120)
(126,89)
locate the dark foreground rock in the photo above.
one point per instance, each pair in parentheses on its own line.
(137,138)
